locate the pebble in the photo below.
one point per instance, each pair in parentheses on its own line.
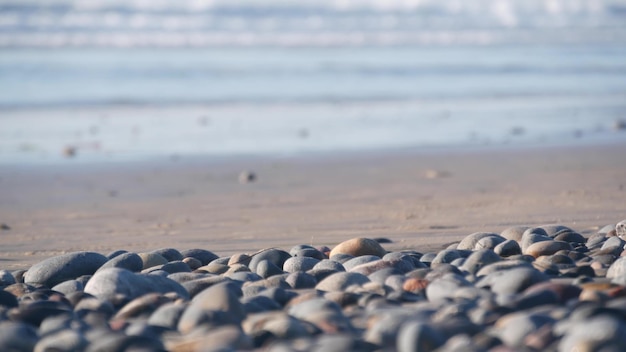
(358,247)
(53,271)
(295,264)
(128,261)
(538,249)
(341,281)
(566,292)
(109,284)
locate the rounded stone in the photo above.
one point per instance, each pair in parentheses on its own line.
(275,256)
(151,259)
(418,336)
(167,315)
(547,248)
(204,256)
(341,281)
(514,328)
(7,299)
(108,284)
(220,297)
(511,281)
(68,287)
(488,242)
(469,242)
(329,264)
(508,248)
(265,269)
(602,333)
(443,289)
(295,264)
(514,233)
(446,256)
(128,261)
(66,340)
(354,262)
(620,229)
(17,336)
(6,278)
(571,237)
(300,280)
(529,238)
(478,259)
(617,271)
(358,247)
(53,271)
(170,254)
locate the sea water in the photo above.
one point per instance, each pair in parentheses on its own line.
(122,80)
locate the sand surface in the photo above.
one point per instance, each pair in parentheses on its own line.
(418,199)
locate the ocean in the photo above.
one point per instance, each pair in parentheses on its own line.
(105,80)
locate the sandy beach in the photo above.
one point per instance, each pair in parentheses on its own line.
(419,199)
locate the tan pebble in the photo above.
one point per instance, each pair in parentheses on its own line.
(239,258)
(358,247)
(547,248)
(415,285)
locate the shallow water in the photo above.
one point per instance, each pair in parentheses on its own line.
(137,79)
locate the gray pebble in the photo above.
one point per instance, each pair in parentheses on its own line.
(265,269)
(128,261)
(63,341)
(109,283)
(17,336)
(511,281)
(469,242)
(68,287)
(479,259)
(418,336)
(508,248)
(341,281)
(275,256)
(204,256)
(329,264)
(53,271)
(295,264)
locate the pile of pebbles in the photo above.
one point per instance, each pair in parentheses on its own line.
(545,288)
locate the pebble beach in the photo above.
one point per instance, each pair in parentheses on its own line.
(453,250)
(544,288)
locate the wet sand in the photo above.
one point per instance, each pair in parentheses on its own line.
(419,199)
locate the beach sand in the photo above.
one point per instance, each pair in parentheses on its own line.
(419,199)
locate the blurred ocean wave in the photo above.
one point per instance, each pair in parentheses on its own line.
(194,23)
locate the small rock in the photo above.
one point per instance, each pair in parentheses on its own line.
(547,248)
(275,256)
(170,254)
(508,248)
(128,261)
(295,264)
(620,229)
(469,242)
(511,281)
(418,336)
(359,247)
(4,227)
(66,340)
(247,177)
(204,256)
(514,233)
(341,281)
(151,259)
(53,271)
(17,336)
(110,283)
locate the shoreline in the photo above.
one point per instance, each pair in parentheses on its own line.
(420,199)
